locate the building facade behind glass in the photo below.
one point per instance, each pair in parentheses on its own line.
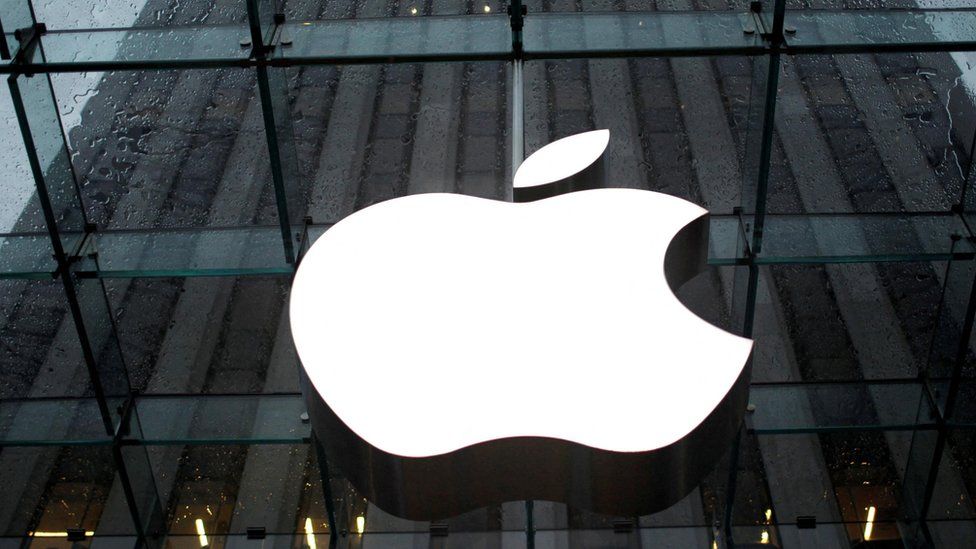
(166,164)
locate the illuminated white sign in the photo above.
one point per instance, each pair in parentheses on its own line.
(434,323)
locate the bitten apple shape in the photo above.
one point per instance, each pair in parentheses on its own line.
(459,352)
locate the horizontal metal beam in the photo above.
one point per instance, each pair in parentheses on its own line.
(426,39)
(277,418)
(788,239)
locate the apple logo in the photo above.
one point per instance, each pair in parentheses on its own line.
(459,352)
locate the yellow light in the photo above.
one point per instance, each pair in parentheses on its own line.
(714,544)
(88,533)
(869,527)
(360,524)
(201,533)
(309,534)
(764,537)
(769,515)
(413,11)
(487,8)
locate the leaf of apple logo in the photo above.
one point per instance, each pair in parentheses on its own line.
(459,352)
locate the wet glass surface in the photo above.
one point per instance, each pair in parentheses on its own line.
(149,387)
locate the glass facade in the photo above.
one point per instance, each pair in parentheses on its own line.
(166,164)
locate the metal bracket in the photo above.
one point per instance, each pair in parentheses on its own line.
(274,37)
(758,25)
(28,38)
(125,411)
(517,12)
(743,234)
(806,522)
(85,246)
(261,46)
(754,21)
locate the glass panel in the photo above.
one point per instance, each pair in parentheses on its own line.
(37,114)
(48,490)
(946,368)
(844,238)
(921,458)
(670,130)
(419,128)
(864,237)
(171,149)
(591,6)
(51,422)
(26,256)
(872,133)
(205,335)
(362,9)
(117,48)
(836,239)
(142,494)
(93,14)
(846,321)
(870,154)
(27,250)
(954,488)
(754,507)
(964,411)
(290,199)
(724,235)
(379,40)
(835,478)
(822,406)
(14,14)
(187,252)
(102,339)
(216,541)
(251,419)
(818,28)
(40,352)
(648,33)
(229,488)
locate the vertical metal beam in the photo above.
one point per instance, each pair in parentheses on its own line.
(926,455)
(326,480)
(148,522)
(730,489)
(518,123)
(66,262)
(766,150)
(260,50)
(254,24)
(277,174)
(516,14)
(774,38)
(59,253)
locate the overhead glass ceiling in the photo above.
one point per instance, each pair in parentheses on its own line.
(166,164)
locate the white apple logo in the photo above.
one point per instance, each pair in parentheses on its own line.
(459,352)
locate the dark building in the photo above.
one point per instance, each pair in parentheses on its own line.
(167,163)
